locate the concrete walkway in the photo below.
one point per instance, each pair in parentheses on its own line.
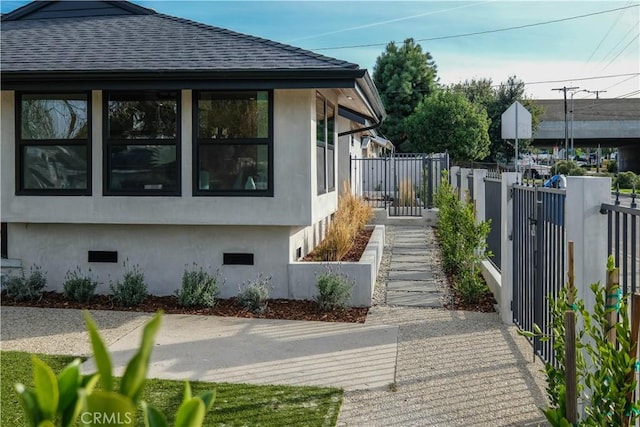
(410,281)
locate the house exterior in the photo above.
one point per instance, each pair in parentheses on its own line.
(129,135)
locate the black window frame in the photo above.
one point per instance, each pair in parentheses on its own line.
(198,142)
(328,145)
(107,143)
(21,143)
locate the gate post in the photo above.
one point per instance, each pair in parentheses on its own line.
(453,178)
(506,239)
(479,194)
(587,228)
(465,192)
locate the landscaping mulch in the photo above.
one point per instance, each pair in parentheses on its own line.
(357,248)
(276,309)
(486,304)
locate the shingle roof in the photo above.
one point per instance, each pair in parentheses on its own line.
(147,42)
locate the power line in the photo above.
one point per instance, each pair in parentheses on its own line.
(613,24)
(619,41)
(484,32)
(389,21)
(622,51)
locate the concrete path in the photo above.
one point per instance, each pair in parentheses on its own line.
(410,280)
(264,351)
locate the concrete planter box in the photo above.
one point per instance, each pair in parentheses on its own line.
(302,275)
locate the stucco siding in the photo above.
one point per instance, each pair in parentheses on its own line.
(162,252)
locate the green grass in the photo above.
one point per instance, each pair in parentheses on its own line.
(235,405)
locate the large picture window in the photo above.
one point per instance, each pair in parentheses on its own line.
(325,145)
(142,155)
(53,144)
(234,144)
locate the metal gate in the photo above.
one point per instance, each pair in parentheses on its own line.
(539,247)
(403,183)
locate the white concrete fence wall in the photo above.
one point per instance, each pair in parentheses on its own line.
(584,225)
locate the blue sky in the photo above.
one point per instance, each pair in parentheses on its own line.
(606,44)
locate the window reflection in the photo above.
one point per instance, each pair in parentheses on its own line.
(54,167)
(233,167)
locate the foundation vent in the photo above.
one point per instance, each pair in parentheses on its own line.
(103,256)
(237,259)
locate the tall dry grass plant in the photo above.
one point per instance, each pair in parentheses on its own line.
(407,194)
(352,215)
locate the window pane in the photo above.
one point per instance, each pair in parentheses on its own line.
(330,168)
(233,167)
(143,167)
(54,167)
(321,164)
(143,116)
(233,115)
(320,117)
(330,124)
(54,117)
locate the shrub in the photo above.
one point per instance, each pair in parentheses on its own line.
(626,180)
(603,367)
(132,290)
(27,288)
(199,288)
(79,287)
(254,296)
(567,167)
(612,166)
(463,242)
(334,291)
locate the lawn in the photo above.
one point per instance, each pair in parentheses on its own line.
(235,405)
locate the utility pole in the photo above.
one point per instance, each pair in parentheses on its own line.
(566,124)
(573,92)
(597,92)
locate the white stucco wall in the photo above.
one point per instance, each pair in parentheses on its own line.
(162,251)
(294,179)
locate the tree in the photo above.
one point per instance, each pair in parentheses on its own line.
(404,76)
(496,100)
(449,121)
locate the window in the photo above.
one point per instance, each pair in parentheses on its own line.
(234,144)
(325,145)
(53,144)
(142,155)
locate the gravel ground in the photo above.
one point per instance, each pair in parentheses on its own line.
(454,368)
(64,332)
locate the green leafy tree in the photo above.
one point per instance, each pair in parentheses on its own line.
(496,100)
(404,75)
(448,121)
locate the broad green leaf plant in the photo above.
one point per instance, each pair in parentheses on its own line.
(71,398)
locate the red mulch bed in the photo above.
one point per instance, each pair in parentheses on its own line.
(276,309)
(485,305)
(357,248)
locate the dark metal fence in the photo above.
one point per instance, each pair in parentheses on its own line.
(403,183)
(623,241)
(493,212)
(470,186)
(539,246)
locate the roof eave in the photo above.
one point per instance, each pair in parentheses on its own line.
(104,79)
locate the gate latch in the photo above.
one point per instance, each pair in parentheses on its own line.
(532,224)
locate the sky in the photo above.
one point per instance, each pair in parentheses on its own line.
(598,52)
